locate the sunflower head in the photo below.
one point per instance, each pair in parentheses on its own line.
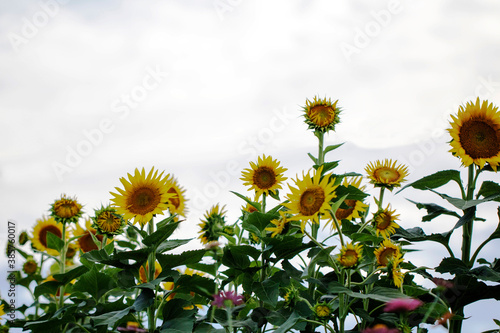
(177,203)
(86,241)
(321,114)
(42,227)
(386,174)
(279,225)
(311,198)
(264,176)
(354,207)
(384,222)
(108,222)
(212,227)
(323,310)
(145,268)
(30,266)
(386,251)
(394,270)
(350,255)
(23,238)
(475,134)
(66,210)
(143,196)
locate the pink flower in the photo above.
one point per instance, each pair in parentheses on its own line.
(227,299)
(402,305)
(380,328)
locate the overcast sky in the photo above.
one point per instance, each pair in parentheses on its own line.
(90,90)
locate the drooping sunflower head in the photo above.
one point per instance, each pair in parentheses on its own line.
(264,176)
(213,225)
(386,174)
(66,210)
(42,227)
(108,222)
(311,198)
(279,225)
(350,255)
(394,270)
(86,242)
(475,133)
(384,222)
(386,251)
(144,268)
(321,114)
(143,196)
(323,310)
(355,207)
(23,238)
(178,201)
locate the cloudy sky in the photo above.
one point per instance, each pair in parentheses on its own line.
(91,90)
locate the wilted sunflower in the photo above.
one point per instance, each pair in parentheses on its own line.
(279,225)
(475,133)
(144,268)
(86,242)
(321,115)
(386,174)
(108,222)
(264,176)
(394,270)
(143,196)
(66,210)
(311,197)
(386,251)
(350,255)
(42,227)
(213,225)
(384,221)
(178,201)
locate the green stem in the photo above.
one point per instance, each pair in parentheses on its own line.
(321,160)
(151,277)
(337,225)
(381,198)
(62,266)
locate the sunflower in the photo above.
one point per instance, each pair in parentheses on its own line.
(42,227)
(30,266)
(178,201)
(169,286)
(108,222)
(264,176)
(66,210)
(213,225)
(323,310)
(144,268)
(279,225)
(475,133)
(86,242)
(321,115)
(355,206)
(386,251)
(394,270)
(23,238)
(384,222)
(143,196)
(311,197)
(386,174)
(2,312)
(350,255)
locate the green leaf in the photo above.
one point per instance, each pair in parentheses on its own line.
(54,242)
(267,291)
(433,211)
(113,318)
(47,288)
(287,247)
(468,217)
(486,273)
(168,245)
(71,275)
(287,325)
(94,283)
(176,319)
(169,261)
(238,256)
(327,166)
(314,159)
(195,283)
(160,235)
(332,147)
(257,222)
(418,235)
(145,300)
(489,189)
(453,266)
(435,180)
(256,205)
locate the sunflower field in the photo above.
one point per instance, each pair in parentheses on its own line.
(316,253)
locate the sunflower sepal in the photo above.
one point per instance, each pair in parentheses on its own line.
(275,195)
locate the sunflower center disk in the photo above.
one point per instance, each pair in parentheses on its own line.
(87,243)
(383,221)
(342,213)
(350,257)
(386,255)
(108,222)
(66,209)
(479,139)
(264,178)
(387,175)
(311,201)
(144,200)
(175,199)
(322,115)
(45,230)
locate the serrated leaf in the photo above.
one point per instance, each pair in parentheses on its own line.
(489,189)
(54,242)
(168,245)
(257,222)
(332,147)
(160,235)
(267,291)
(433,211)
(169,261)
(71,275)
(314,159)
(435,180)
(256,205)
(95,283)
(453,266)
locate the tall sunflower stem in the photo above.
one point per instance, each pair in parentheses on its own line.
(151,277)
(381,198)
(321,160)
(62,265)
(337,225)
